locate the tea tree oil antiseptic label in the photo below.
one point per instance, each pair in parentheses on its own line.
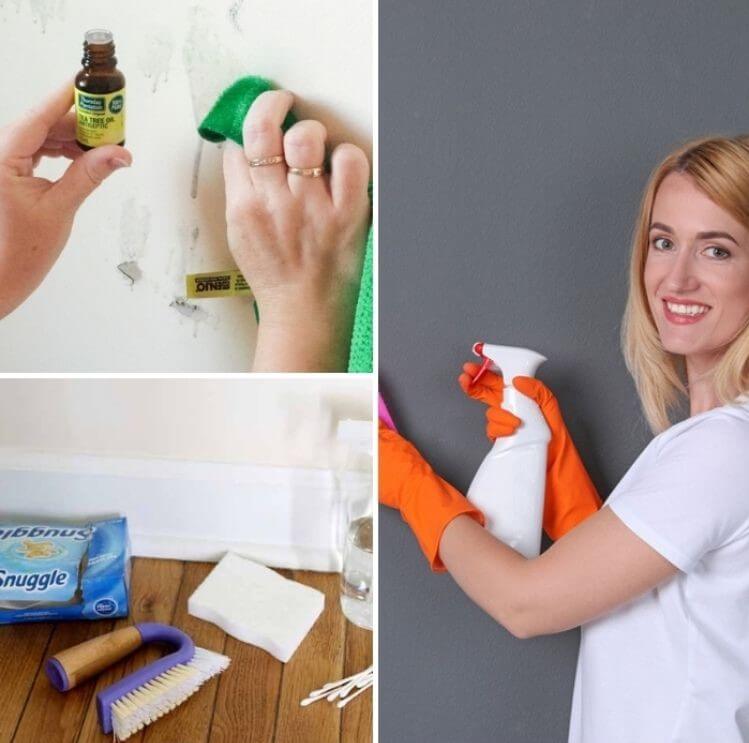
(99,93)
(100,119)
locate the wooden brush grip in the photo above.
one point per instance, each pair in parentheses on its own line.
(83,661)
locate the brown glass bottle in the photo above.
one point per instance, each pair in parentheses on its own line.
(99,93)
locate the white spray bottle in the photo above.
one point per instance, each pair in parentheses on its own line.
(510,483)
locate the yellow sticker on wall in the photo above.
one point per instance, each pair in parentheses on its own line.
(216,284)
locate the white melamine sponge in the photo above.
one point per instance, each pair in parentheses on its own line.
(257,605)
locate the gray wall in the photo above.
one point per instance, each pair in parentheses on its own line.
(515,139)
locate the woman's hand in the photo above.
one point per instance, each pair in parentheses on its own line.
(571,496)
(298,240)
(489,389)
(426,502)
(36,215)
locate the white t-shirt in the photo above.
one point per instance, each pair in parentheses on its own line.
(673,665)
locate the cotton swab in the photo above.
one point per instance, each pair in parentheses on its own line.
(342,688)
(323,690)
(344,702)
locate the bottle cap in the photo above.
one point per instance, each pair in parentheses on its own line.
(98,36)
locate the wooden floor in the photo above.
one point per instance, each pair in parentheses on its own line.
(255,701)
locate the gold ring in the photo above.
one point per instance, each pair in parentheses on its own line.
(307,172)
(260,162)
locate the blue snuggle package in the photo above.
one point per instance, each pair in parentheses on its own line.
(50,572)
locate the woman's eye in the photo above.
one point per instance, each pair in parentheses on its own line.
(715,251)
(662,243)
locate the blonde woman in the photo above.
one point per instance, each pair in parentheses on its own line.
(659,577)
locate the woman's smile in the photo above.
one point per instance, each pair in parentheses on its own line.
(683,311)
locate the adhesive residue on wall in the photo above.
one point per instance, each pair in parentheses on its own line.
(210,66)
(234,10)
(43,11)
(135,226)
(186,243)
(156,56)
(130,270)
(15,3)
(193,312)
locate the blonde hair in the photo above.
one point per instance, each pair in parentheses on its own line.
(719,166)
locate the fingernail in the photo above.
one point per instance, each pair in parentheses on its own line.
(118,162)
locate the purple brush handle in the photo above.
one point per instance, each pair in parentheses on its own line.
(150,632)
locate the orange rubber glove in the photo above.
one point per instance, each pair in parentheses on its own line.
(426,502)
(570,494)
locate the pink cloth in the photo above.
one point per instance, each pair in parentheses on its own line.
(384,413)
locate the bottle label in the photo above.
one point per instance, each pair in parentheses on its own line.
(100,117)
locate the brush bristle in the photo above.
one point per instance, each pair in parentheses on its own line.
(165,692)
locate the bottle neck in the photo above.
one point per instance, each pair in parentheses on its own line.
(99,56)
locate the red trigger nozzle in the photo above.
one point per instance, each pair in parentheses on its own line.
(478,349)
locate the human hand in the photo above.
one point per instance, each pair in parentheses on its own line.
(426,502)
(489,389)
(299,241)
(570,494)
(36,215)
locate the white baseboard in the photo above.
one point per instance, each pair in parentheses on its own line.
(282,517)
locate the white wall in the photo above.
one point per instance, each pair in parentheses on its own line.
(287,422)
(198,466)
(177,57)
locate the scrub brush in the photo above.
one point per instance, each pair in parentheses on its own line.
(146,694)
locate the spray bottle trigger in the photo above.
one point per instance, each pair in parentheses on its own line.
(478,349)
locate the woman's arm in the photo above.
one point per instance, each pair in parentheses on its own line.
(596,567)
(596,564)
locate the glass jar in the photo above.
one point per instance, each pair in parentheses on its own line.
(356,577)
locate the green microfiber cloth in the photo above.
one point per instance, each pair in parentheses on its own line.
(224,121)
(362,352)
